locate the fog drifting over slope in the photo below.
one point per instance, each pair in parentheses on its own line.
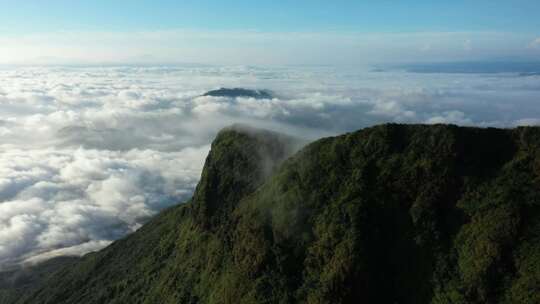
(87,155)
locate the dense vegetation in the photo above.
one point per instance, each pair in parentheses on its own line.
(18,281)
(389,214)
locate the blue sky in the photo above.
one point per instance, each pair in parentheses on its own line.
(472,23)
(298,15)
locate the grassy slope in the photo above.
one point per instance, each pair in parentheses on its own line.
(17,282)
(390,214)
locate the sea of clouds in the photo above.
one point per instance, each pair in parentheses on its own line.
(88,154)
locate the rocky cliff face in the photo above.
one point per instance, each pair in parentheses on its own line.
(389,214)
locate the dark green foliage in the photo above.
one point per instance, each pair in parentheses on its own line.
(389,214)
(16,282)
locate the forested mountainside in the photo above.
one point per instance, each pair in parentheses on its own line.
(388,214)
(18,281)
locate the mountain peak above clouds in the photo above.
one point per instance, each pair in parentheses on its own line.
(240,92)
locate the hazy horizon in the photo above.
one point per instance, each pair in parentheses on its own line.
(277,33)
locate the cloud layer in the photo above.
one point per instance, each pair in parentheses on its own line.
(87,155)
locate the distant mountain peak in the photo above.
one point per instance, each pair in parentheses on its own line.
(240,92)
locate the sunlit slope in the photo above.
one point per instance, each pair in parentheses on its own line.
(389,214)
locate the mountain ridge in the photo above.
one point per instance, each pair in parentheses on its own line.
(448,212)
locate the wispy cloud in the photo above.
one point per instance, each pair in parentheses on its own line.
(257,47)
(535,44)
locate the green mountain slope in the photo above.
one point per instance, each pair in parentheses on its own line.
(16,282)
(389,214)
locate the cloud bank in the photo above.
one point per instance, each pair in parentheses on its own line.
(87,155)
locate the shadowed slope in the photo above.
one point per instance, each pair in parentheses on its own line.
(22,280)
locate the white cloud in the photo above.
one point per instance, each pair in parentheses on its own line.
(76,250)
(88,154)
(56,199)
(535,44)
(528,122)
(450,117)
